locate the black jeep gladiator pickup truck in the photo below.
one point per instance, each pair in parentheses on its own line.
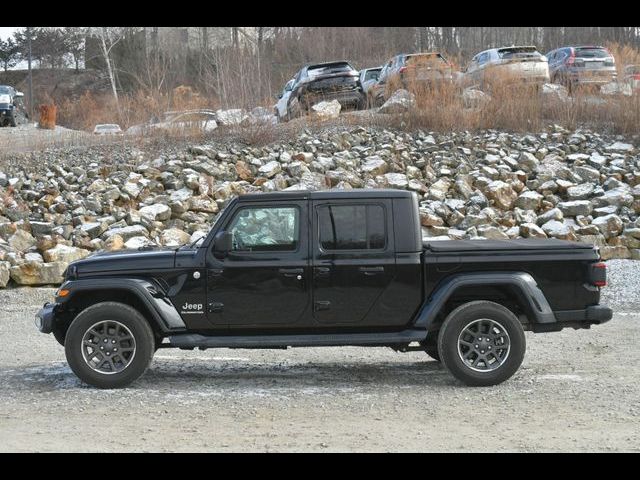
(298,269)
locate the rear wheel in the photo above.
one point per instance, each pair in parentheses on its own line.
(109,345)
(482,343)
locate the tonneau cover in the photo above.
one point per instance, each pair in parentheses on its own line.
(490,245)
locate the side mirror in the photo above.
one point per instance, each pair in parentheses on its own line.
(222,244)
(279,95)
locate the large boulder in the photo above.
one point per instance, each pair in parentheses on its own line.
(156,212)
(503,195)
(609,225)
(37,273)
(232,116)
(399,102)
(327,110)
(374,165)
(474,98)
(21,241)
(64,253)
(174,237)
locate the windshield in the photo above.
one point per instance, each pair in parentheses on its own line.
(592,53)
(372,74)
(5,90)
(518,52)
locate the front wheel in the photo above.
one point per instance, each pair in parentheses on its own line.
(109,345)
(482,343)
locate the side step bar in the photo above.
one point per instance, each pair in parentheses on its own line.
(195,340)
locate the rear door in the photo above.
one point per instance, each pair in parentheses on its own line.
(353,259)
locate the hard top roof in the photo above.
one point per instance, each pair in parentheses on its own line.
(355,193)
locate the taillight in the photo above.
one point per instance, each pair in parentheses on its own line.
(572,58)
(636,77)
(599,274)
(402,69)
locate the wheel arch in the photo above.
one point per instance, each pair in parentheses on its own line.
(143,295)
(514,290)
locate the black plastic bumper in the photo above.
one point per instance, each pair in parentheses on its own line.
(592,314)
(45,317)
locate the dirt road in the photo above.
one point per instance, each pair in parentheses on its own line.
(576,391)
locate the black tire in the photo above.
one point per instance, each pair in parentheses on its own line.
(123,316)
(487,315)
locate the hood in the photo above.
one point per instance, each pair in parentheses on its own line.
(129,260)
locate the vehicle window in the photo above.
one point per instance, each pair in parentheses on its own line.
(265,229)
(521,52)
(371,75)
(338,67)
(351,227)
(289,86)
(483,58)
(592,53)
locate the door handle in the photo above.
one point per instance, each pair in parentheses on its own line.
(371,270)
(321,271)
(291,272)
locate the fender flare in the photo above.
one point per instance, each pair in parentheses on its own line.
(536,305)
(163,313)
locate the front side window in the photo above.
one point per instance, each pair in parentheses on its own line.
(262,229)
(351,227)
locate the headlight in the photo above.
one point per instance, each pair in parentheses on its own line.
(5,98)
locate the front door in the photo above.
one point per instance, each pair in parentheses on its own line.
(263,281)
(353,260)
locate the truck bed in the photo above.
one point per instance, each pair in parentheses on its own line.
(521,244)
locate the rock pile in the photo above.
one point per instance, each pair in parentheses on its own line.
(577,185)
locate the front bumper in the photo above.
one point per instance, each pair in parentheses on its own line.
(45,317)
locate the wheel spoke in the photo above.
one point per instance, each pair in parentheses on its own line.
(119,347)
(491,337)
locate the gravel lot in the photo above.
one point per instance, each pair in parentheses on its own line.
(576,391)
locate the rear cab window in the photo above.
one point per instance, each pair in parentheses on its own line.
(344,227)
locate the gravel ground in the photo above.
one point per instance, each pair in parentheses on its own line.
(576,391)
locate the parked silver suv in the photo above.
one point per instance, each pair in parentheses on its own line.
(507,65)
(586,65)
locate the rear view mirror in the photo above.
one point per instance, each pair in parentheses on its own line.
(222,244)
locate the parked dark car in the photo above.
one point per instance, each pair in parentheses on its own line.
(368,79)
(578,66)
(12,111)
(332,268)
(324,81)
(414,72)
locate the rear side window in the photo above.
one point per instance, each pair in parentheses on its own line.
(352,227)
(592,53)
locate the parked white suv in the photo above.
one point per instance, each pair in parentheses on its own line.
(507,64)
